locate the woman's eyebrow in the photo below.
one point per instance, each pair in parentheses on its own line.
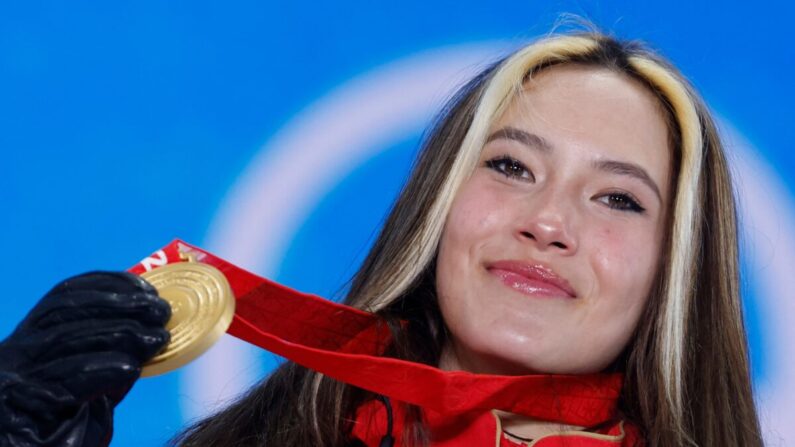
(611,166)
(630,169)
(526,138)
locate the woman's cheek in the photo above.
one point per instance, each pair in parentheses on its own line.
(617,258)
(481,208)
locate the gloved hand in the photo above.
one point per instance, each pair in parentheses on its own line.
(75,356)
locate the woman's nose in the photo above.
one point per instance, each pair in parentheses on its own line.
(549,228)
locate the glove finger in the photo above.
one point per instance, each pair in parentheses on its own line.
(36,398)
(128,336)
(89,376)
(147,308)
(104,281)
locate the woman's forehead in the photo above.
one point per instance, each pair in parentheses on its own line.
(595,112)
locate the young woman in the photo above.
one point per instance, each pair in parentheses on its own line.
(571,213)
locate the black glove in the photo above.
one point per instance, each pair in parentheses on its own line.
(75,356)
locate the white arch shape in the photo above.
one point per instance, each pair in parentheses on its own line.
(265,208)
(767,216)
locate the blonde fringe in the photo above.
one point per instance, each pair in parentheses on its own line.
(685,232)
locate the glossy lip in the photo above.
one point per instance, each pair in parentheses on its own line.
(532,278)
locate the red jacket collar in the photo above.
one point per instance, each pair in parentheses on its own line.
(480,429)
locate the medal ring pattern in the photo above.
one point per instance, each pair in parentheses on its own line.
(202,307)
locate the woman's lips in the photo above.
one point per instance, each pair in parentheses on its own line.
(531,279)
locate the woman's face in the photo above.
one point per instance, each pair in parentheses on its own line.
(552,245)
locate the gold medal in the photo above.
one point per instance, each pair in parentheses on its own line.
(202,306)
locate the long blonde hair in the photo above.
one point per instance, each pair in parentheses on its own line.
(687,376)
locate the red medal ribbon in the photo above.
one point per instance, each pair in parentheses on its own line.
(344,343)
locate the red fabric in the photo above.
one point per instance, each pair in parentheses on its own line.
(345,343)
(482,430)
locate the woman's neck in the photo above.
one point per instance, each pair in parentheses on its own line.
(453,360)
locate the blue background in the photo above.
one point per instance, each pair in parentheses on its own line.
(123,125)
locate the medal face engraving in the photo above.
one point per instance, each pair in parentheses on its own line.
(202,307)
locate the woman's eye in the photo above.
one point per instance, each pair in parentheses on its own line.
(511,168)
(622,202)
